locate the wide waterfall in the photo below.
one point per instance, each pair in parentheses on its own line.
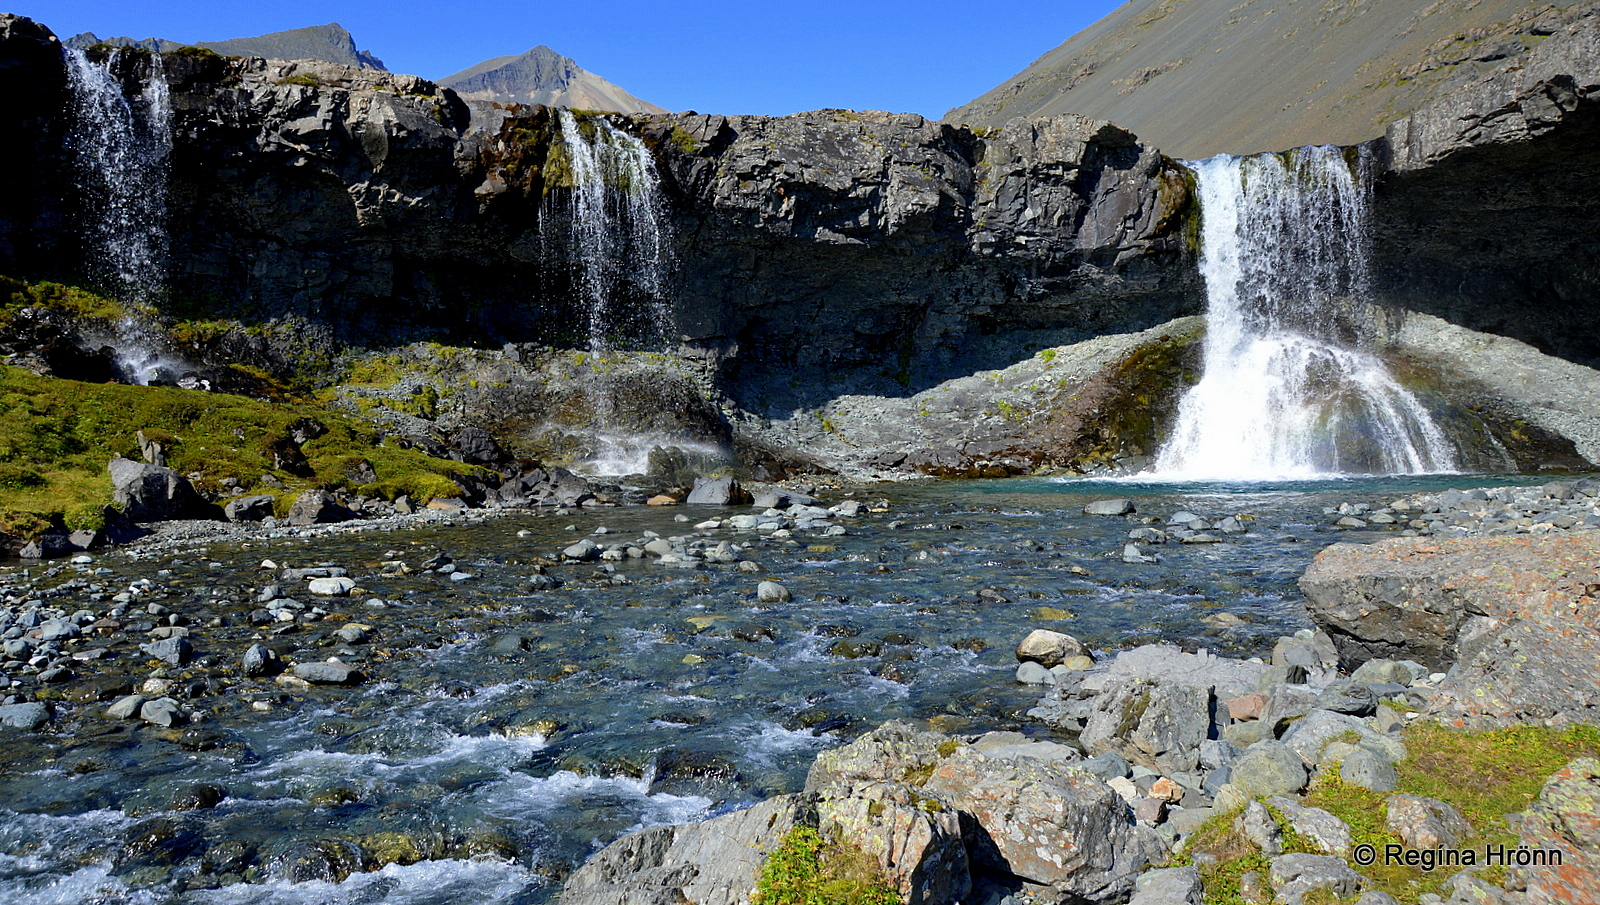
(615,235)
(121,146)
(1287,391)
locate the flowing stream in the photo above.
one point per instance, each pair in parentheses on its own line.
(1287,391)
(508,730)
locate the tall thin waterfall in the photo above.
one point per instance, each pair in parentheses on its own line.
(1286,391)
(615,234)
(122,147)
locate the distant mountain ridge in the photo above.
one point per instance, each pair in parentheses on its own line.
(542,76)
(331,42)
(1202,77)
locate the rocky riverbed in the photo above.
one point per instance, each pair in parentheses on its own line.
(476,700)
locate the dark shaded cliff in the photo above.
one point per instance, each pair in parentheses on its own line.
(813,252)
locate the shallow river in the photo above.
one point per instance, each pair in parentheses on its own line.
(504,734)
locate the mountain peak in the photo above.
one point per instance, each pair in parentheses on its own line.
(543,76)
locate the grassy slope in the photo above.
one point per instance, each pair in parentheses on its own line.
(56,437)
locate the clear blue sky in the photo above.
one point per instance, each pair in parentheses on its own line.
(769,58)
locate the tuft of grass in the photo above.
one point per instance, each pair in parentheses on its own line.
(806,869)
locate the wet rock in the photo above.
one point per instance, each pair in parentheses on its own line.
(1425,823)
(163,712)
(328,861)
(772,592)
(159,841)
(171,651)
(327,673)
(259,660)
(1031,673)
(27,717)
(1059,828)
(198,797)
(1049,648)
(1109,507)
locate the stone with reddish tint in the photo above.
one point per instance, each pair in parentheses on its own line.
(1565,819)
(1246,707)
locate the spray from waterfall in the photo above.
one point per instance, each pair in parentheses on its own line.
(122,147)
(612,233)
(1287,392)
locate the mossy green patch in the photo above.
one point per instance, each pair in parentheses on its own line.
(1486,776)
(806,869)
(57,435)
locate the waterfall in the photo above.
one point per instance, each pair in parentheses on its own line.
(122,147)
(1287,392)
(615,236)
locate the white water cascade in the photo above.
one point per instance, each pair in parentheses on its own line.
(122,147)
(1284,395)
(616,232)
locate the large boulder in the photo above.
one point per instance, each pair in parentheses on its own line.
(723,491)
(888,753)
(1514,619)
(711,863)
(1564,823)
(1061,828)
(315,507)
(153,493)
(1159,726)
(916,840)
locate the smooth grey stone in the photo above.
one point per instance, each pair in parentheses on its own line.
(27,716)
(163,712)
(1109,507)
(1369,769)
(126,707)
(171,651)
(1268,768)
(1107,766)
(327,673)
(1031,673)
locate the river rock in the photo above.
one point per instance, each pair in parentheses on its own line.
(1060,828)
(886,754)
(772,592)
(163,712)
(171,651)
(27,717)
(315,507)
(1158,725)
(331,587)
(723,491)
(327,673)
(1109,507)
(249,508)
(126,707)
(1513,616)
(1048,648)
(258,660)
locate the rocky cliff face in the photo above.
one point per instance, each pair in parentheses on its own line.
(1485,216)
(868,250)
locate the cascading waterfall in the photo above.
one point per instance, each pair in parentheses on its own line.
(1284,393)
(616,232)
(612,234)
(122,147)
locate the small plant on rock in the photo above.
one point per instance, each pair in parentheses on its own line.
(806,869)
